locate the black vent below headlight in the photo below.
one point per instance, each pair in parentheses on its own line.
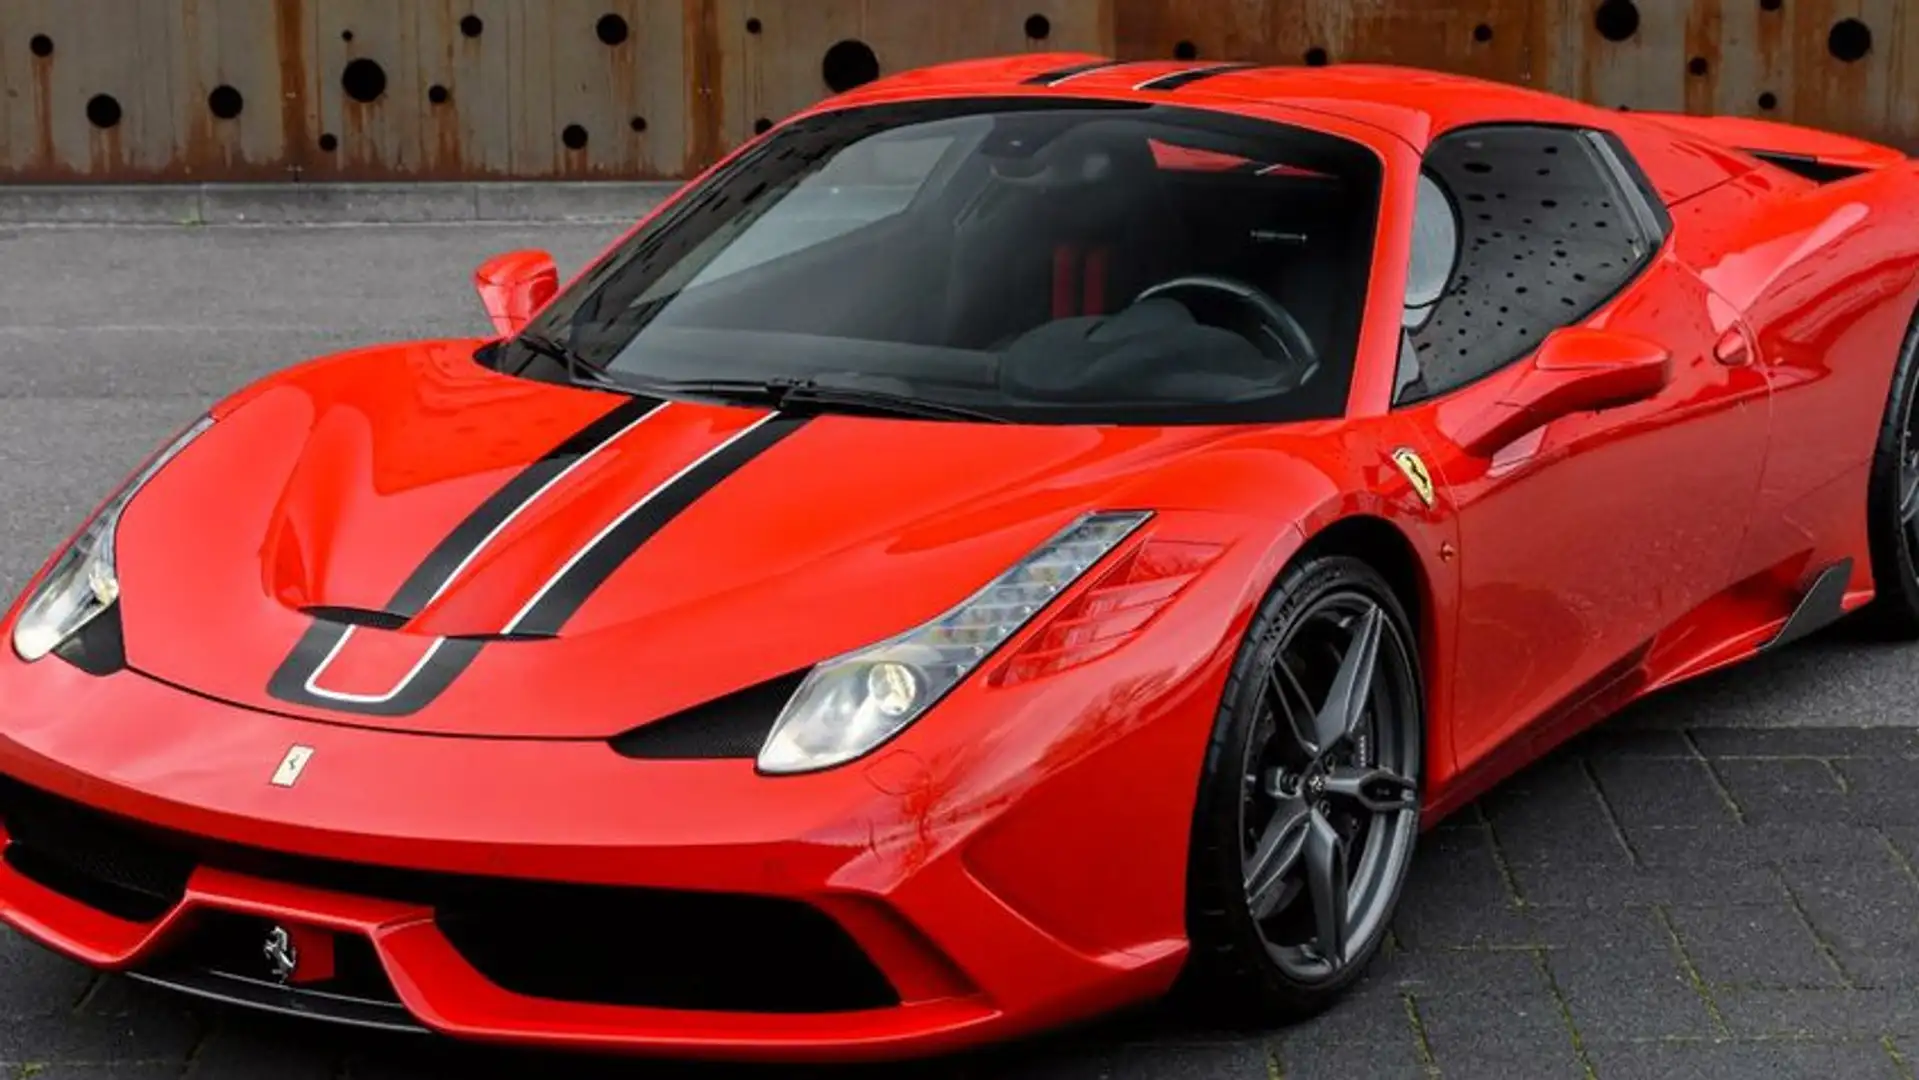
(734,726)
(100,648)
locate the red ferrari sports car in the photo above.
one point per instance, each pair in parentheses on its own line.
(1014,538)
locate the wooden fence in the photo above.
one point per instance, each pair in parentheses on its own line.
(134,90)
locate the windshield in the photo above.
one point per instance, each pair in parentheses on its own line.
(1040,261)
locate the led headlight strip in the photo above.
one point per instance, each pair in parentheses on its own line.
(84,582)
(851,704)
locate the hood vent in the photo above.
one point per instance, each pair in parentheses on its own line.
(371,618)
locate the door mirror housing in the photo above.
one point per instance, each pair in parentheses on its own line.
(513,288)
(1576,369)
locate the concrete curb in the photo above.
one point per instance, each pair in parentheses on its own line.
(325,204)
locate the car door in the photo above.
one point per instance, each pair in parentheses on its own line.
(1582,539)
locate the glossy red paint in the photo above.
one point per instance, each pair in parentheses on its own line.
(1576,369)
(1017,858)
(514,286)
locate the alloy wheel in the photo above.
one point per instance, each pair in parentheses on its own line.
(1331,801)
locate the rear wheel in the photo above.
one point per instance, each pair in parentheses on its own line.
(1892,502)
(1309,803)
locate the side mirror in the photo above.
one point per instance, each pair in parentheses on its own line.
(1576,369)
(513,287)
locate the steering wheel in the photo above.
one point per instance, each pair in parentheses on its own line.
(1234,305)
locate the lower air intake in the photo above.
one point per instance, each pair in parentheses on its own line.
(90,857)
(660,949)
(589,944)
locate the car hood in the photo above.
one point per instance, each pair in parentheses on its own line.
(402,538)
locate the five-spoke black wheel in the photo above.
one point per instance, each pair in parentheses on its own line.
(1309,806)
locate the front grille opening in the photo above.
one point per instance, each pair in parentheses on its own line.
(90,857)
(589,944)
(666,950)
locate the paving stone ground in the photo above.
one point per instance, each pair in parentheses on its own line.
(1719,884)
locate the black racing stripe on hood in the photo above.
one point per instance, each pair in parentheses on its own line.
(560,597)
(435,572)
(450,657)
(570,589)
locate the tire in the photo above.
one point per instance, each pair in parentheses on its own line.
(1246,968)
(1893,532)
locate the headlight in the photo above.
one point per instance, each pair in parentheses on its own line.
(84,582)
(848,705)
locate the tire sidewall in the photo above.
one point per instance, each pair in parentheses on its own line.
(1221,925)
(1895,576)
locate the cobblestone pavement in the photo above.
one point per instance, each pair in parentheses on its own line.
(1719,884)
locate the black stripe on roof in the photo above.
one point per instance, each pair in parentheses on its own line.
(1191,75)
(1048,78)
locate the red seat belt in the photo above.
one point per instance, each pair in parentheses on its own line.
(1095,282)
(1065,270)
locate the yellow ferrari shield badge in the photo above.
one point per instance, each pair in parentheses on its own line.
(1409,463)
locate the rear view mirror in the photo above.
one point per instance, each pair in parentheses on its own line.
(1577,369)
(513,287)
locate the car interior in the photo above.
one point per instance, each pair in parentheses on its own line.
(1055,258)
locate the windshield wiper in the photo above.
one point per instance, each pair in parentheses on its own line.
(579,370)
(800,393)
(882,401)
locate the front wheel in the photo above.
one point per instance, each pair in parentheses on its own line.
(1309,802)
(1892,502)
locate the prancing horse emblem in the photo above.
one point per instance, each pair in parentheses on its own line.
(291,766)
(280,953)
(1415,470)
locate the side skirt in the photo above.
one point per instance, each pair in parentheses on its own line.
(1601,696)
(1650,668)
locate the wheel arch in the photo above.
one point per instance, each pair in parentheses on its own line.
(1380,544)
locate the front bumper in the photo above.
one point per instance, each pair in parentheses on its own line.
(859,846)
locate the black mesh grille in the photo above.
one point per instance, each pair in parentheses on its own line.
(100,647)
(581,943)
(734,726)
